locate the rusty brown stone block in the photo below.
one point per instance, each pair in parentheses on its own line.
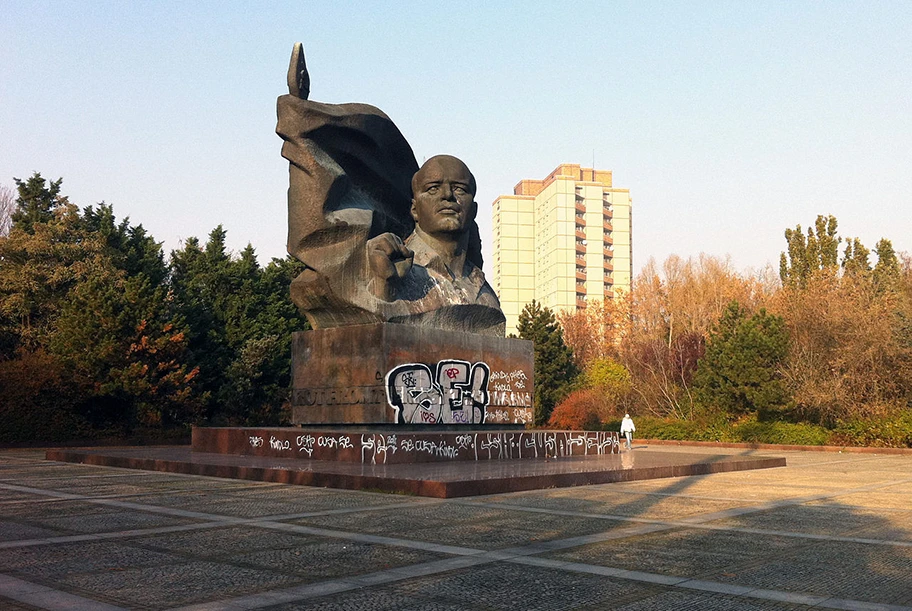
(405,374)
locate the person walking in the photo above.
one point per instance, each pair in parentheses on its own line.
(627,429)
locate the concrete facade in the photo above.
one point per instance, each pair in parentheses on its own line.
(561,241)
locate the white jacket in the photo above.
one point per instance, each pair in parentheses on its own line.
(627,425)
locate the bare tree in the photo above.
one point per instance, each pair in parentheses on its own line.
(7,207)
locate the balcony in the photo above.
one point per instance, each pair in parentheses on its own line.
(580,302)
(580,248)
(580,274)
(580,233)
(580,206)
(608,252)
(608,240)
(580,219)
(607,225)
(608,266)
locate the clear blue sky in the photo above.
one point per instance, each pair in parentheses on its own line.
(728,121)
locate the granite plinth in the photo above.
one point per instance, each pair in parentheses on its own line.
(440,480)
(389,446)
(397,374)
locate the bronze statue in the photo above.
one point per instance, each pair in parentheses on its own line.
(383,240)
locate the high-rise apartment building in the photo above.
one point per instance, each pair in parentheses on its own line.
(561,241)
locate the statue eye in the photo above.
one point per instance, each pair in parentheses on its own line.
(433,189)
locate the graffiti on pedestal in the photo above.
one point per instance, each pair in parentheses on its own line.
(509,390)
(453,392)
(409,447)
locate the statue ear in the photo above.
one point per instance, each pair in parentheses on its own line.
(414,211)
(474,212)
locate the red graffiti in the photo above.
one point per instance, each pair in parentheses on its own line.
(452,372)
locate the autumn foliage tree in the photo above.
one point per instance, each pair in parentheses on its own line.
(596,331)
(850,356)
(673,309)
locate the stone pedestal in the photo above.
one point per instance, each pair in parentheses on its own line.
(405,374)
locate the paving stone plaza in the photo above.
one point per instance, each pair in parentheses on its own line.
(828,531)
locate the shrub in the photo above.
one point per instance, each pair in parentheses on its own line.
(778,432)
(893,431)
(579,411)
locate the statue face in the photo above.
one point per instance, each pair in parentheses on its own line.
(443,198)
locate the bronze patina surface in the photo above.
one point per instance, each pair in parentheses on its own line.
(383,240)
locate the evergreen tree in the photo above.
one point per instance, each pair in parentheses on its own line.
(740,371)
(85,294)
(125,340)
(125,348)
(130,247)
(554,368)
(36,202)
(240,320)
(39,267)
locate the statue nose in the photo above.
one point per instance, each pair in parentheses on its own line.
(447,192)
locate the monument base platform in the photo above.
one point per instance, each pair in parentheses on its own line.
(439,480)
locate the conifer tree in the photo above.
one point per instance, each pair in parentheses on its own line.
(554,368)
(240,320)
(129,246)
(36,202)
(740,371)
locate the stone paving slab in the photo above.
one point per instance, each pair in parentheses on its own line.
(8,604)
(810,519)
(680,552)
(14,531)
(161,587)
(825,532)
(841,569)
(51,562)
(600,500)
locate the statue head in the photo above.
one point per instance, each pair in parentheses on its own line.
(443,197)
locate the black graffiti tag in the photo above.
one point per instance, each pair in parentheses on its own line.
(455,393)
